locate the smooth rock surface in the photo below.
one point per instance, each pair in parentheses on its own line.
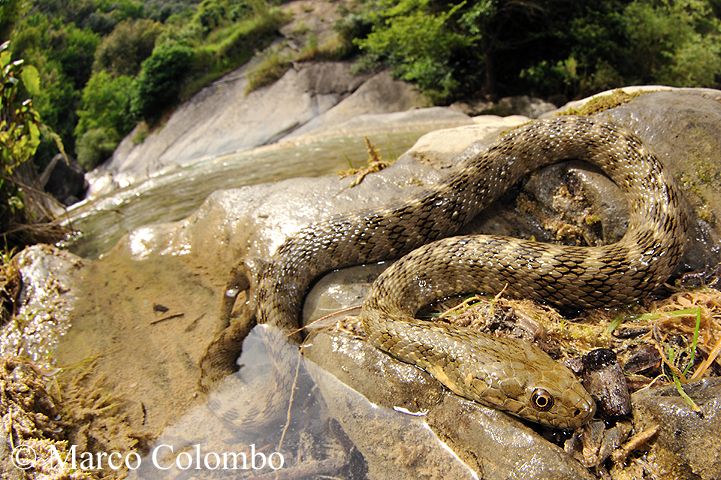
(474,433)
(222,118)
(686,444)
(185,266)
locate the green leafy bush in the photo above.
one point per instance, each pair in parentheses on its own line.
(418,44)
(95,146)
(75,50)
(123,51)
(676,43)
(9,14)
(160,80)
(236,46)
(104,116)
(20,130)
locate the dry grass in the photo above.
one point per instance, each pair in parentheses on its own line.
(685,329)
(375,164)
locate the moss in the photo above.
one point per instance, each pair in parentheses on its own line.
(602,103)
(141,133)
(705,213)
(592,219)
(268,71)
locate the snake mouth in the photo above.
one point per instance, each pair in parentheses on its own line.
(581,414)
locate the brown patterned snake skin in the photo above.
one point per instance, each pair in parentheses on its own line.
(503,373)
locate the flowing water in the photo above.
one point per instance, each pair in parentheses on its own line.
(174,194)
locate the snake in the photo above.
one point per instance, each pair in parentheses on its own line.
(508,374)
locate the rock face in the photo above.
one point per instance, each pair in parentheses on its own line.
(222,119)
(687,442)
(184,267)
(64,181)
(47,276)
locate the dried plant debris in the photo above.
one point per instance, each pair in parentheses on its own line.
(10,285)
(52,417)
(375,164)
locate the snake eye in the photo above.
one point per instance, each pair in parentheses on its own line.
(541,399)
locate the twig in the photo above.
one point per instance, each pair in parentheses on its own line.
(290,405)
(713,354)
(169,317)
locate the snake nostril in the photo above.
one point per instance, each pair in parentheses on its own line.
(576,412)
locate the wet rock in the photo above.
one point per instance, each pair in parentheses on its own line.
(604,380)
(640,358)
(398,441)
(47,275)
(681,128)
(185,266)
(686,445)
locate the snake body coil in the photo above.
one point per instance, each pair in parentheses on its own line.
(504,373)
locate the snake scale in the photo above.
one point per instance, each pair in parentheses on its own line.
(503,373)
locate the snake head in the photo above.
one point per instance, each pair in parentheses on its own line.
(539,389)
(567,408)
(521,379)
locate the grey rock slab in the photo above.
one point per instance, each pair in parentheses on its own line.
(222,118)
(681,128)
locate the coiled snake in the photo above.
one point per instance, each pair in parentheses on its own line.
(503,373)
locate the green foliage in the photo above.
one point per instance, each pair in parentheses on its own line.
(76,44)
(213,14)
(675,43)
(417,43)
(19,121)
(75,50)
(9,14)
(104,117)
(96,145)
(236,46)
(131,42)
(452,48)
(160,80)
(19,133)
(106,102)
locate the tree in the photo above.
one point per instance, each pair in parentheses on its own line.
(75,50)
(9,14)
(451,48)
(123,51)
(20,128)
(104,117)
(418,43)
(160,80)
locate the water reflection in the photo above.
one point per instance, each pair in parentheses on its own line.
(308,441)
